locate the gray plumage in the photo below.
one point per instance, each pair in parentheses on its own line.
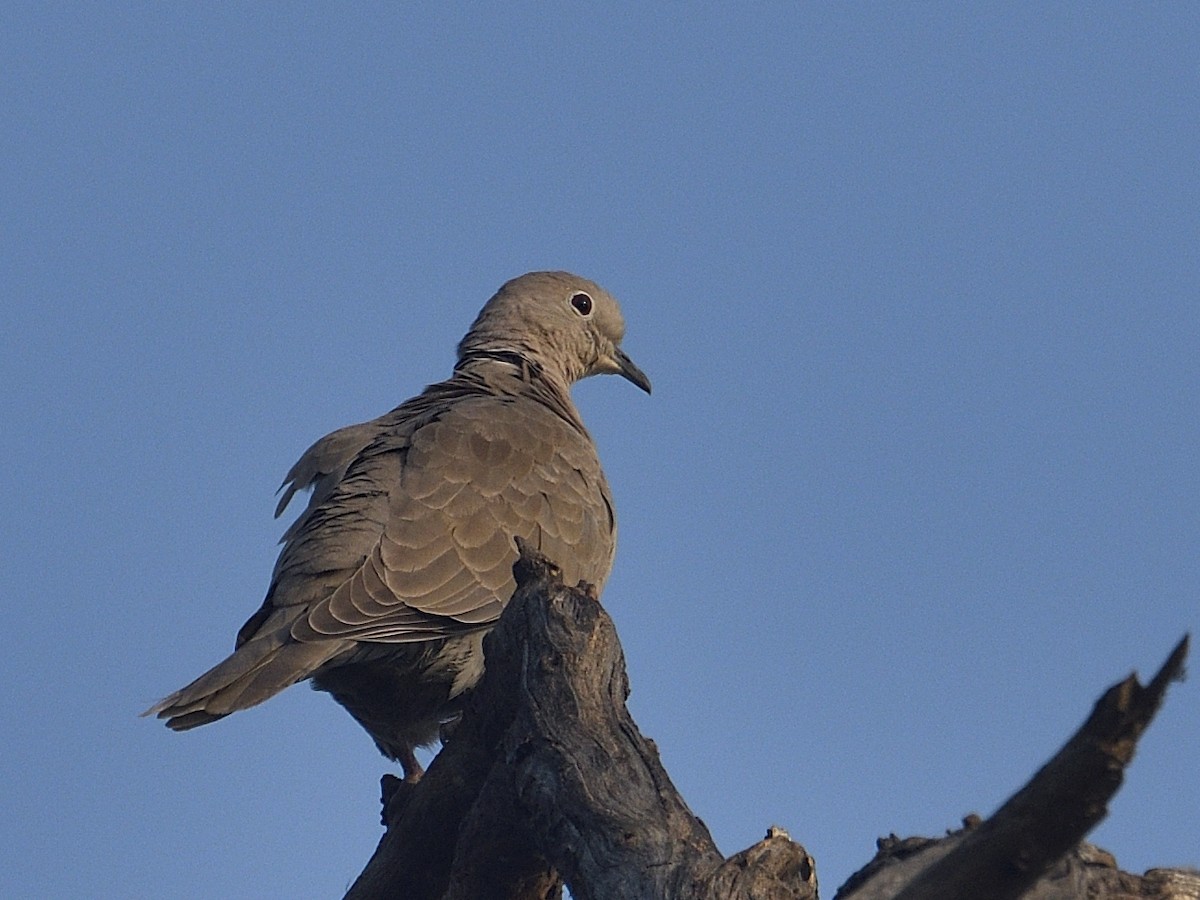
(403,558)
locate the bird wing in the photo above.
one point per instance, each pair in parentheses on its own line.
(415,541)
(323,464)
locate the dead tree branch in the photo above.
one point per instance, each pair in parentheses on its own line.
(547,781)
(548,776)
(1038,832)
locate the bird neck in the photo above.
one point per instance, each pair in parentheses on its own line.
(532,378)
(528,367)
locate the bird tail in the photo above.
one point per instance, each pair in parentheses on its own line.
(258,670)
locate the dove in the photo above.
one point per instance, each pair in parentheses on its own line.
(402,560)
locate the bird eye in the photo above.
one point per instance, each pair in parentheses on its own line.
(582,303)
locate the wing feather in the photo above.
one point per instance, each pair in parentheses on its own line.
(471,479)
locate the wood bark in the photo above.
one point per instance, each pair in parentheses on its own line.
(547,780)
(1032,846)
(547,777)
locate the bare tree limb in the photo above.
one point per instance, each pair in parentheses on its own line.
(548,773)
(548,780)
(1042,825)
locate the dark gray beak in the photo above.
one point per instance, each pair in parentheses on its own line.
(626,369)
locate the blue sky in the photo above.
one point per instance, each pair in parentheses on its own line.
(919,290)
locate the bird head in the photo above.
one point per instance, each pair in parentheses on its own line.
(566,325)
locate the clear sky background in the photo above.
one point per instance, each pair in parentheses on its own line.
(919,290)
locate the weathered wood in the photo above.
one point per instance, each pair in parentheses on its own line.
(495,857)
(419,853)
(548,773)
(547,780)
(597,799)
(1085,873)
(1031,846)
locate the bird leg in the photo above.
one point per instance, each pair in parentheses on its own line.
(413,770)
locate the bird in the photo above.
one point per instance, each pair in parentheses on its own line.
(402,560)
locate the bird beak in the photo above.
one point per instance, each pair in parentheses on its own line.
(620,364)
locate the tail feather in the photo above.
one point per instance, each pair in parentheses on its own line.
(237,665)
(190,720)
(256,671)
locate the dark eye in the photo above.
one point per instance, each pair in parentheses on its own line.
(582,303)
